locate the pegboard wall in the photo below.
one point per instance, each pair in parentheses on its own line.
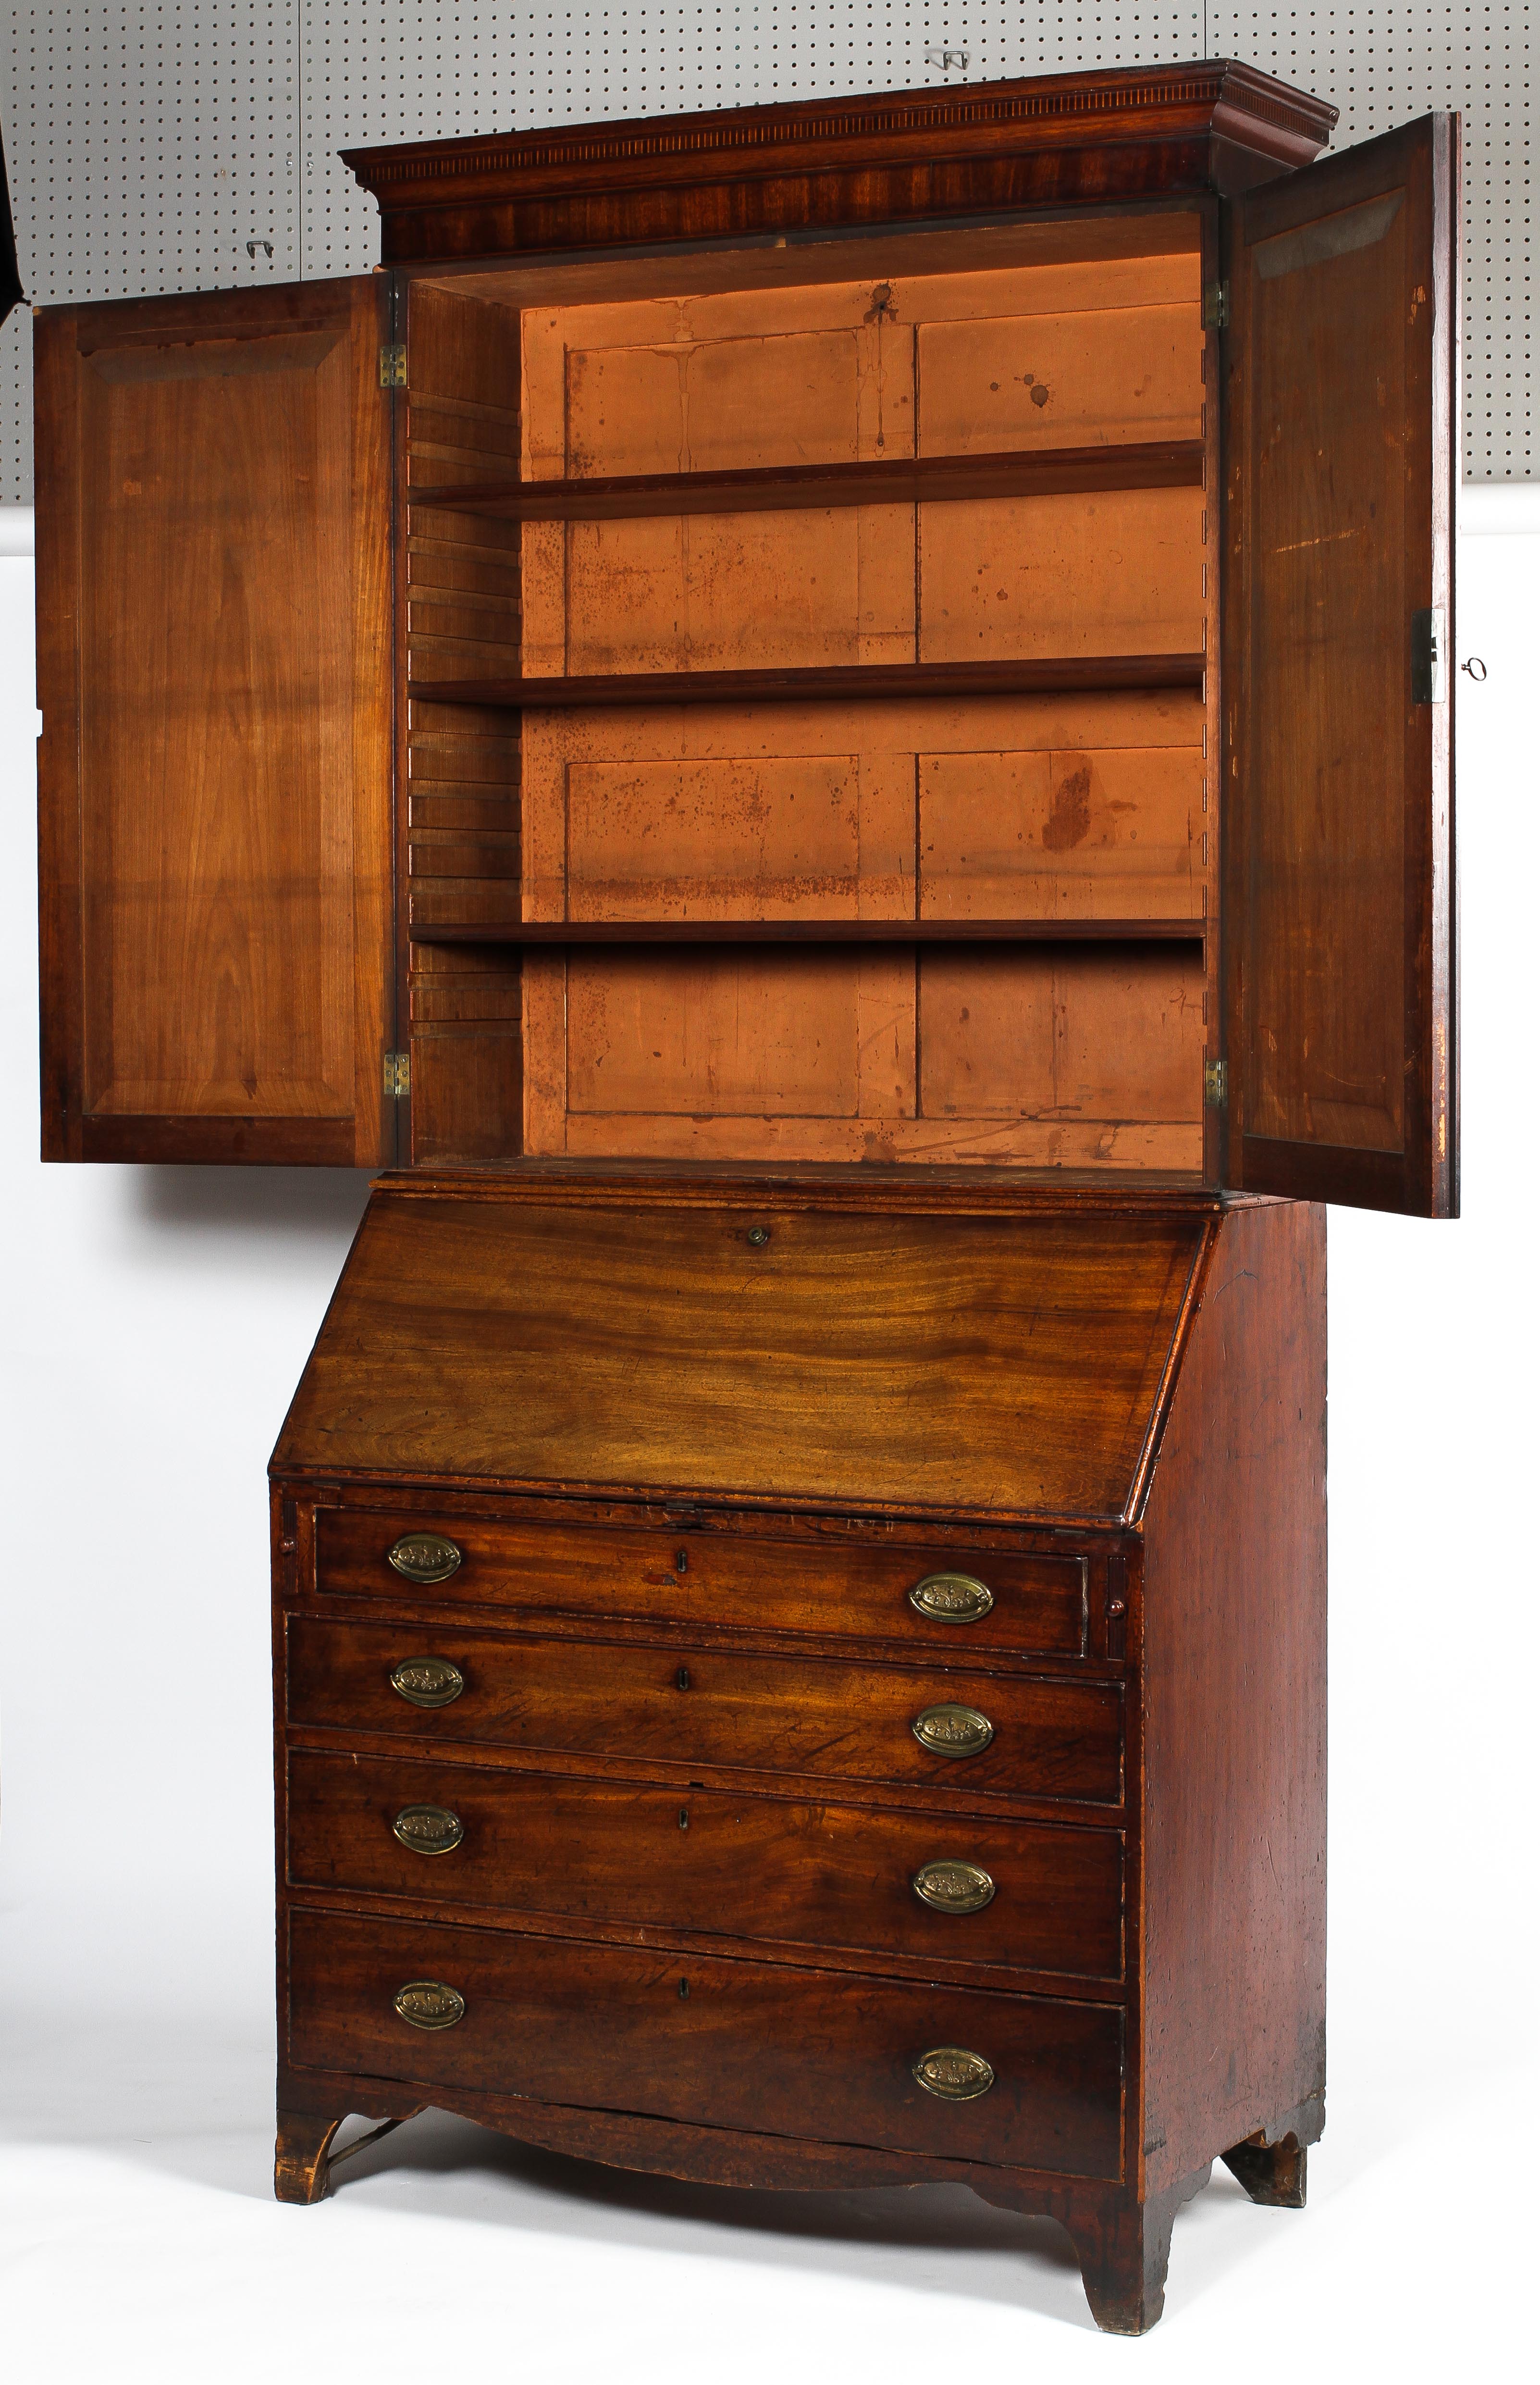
(192,145)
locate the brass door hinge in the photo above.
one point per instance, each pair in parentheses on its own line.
(398,1074)
(1215,1087)
(393,368)
(1216,306)
(1428,659)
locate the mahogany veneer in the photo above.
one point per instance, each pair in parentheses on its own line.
(655,1861)
(834,720)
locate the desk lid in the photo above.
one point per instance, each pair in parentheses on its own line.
(892,1350)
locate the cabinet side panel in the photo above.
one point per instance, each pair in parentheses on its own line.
(1234,1680)
(58,752)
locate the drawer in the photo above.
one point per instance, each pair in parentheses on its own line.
(751,2045)
(1034,1605)
(691,1708)
(819,1875)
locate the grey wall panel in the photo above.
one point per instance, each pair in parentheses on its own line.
(149,145)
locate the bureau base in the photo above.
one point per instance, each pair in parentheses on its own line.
(1123,2244)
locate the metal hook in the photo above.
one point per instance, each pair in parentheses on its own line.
(264,245)
(1475,667)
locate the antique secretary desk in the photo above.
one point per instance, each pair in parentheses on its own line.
(828,728)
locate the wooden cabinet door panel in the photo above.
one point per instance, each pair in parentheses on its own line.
(1340,383)
(215,768)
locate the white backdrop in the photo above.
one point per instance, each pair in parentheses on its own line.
(156,1322)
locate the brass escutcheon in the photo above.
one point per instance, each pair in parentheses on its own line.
(424,1556)
(954,2074)
(426,1680)
(951,1598)
(949,1885)
(429,2004)
(953,1730)
(429,1830)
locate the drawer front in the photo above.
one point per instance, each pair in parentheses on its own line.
(725,2044)
(820,1875)
(684,1707)
(1033,1604)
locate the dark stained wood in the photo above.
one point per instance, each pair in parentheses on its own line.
(1339,900)
(1123,2242)
(747,2044)
(1055,140)
(1232,1659)
(832,1721)
(10,279)
(1009,1368)
(1121,2247)
(679,1573)
(672,1860)
(841,683)
(214,488)
(460,611)
(1220,1587)
(826,931)
(699,1433)
(977,1190)
(301,2170)
(1146,464)
(1274,2175)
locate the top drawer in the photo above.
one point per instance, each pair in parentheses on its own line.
(906,1593)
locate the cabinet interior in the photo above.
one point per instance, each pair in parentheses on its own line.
(810,663)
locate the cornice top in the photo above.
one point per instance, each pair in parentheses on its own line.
(1107,105)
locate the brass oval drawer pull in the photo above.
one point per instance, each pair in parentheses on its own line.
(429,2004)
(426,1680)
(953,1730)
(954,2074)
(429,1830)
(951,1598)
(424,1556)
(952,1886)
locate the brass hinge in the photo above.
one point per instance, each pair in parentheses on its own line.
(1216,306)
(398,1074)
(1428,656)
(393,368)
(1215,1089)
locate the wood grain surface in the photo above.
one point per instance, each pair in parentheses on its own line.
(712,1707)
(1339,886)
(883,1362)
(816,1874)
(1102,137)
(684,1576)
(1234,1664)
(749,2045)
(215,765)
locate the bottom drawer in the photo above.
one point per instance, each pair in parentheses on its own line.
(727,2044)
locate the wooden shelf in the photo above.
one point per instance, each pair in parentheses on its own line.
(1052,471)
(845,683)
(819,931)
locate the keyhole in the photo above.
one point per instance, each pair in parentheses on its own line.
(682,1676)
(681,1563)
(684,1819)
(684,1987)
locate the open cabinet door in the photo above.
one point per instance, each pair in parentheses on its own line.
(1339,390)
(214,771)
